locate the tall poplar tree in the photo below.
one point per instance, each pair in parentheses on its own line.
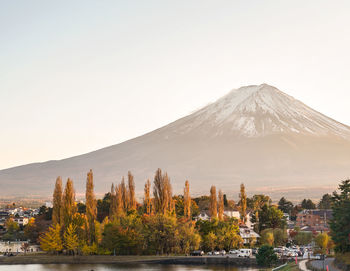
(170,203)
(125,195)
(131,185)
(69,207)
(57,202)
(221,205)
(187,200)
(213,203)
(119,201)
(147,199)
(162,192)
(91,209)
(243,204)
(113,205)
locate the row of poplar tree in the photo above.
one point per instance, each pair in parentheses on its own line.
(132,227)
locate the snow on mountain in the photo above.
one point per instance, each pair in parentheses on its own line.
(255,134)
(262,110)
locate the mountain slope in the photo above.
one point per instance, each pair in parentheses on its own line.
(256,134)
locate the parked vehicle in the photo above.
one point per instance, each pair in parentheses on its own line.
(233,251)
(197,253)
(210,253)
(245,252)
(223,252)
(216,253)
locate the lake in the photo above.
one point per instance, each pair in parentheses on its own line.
(115,267)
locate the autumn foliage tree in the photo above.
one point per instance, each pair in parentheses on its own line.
(91,210)
(125,195)
(51,240)
(221,205)
(57,202)
(120,205)
(187,200)
(131,185)
(162,193)
(68,204)
(147,198)
(113,204)
(243,204)
(213,203)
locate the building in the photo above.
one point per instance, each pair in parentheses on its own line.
(315,220)
(18,247)
(248,235)
(21,221)
(203,216)
(232,214)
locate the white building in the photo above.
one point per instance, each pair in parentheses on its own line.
(232,214)
(248,235)
(17,247)
(203,216)
(21,221)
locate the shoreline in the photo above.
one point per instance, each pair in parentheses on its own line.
(101,259)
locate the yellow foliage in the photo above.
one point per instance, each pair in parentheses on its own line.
(51,240)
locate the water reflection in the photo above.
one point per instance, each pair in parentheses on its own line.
(114,267)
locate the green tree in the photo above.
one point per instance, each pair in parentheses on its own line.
(340,223)
(11,226)
(103,207)
(124,235)
(161,232)
(210,241)
(285,206)
(308,204)
(280,237)
(325,202)
(269,217)
(189,239)
(303,238)
(266,257)
(225,201)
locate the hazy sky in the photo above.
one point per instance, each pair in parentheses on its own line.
(76,76)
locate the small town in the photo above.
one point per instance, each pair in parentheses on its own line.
(212,226)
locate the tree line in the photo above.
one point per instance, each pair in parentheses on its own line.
(161,224)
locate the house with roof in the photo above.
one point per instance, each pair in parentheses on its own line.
(248,235)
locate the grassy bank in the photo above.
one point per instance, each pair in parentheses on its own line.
(291,266)
(342,261)
(345,258)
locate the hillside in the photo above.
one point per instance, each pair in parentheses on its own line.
(256,134)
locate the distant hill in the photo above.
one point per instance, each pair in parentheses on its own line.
(258,135)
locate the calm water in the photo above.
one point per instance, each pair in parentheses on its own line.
(111,267)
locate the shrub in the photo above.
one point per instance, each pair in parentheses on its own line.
(266,256)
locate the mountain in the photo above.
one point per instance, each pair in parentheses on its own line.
(257,134)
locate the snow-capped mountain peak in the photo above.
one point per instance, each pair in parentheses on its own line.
(259,110)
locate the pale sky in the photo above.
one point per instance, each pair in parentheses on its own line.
(76,76)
